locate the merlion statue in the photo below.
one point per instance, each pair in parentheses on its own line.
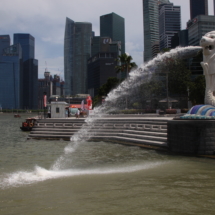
(208,44)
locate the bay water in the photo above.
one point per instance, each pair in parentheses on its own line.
(37,177)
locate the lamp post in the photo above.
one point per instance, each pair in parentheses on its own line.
(126,99)
(167,90)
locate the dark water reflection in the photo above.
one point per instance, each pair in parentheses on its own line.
(37,177)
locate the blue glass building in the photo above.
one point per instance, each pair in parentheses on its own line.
(77,49)
(4,43)
(11,77)
(27,43)
(30,70)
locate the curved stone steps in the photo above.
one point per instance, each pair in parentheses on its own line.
(142,142)
(141,132)
(162,133)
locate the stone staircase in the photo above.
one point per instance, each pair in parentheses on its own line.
(142,132)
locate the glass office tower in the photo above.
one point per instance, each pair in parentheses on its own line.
(198,7)
(77,49)
(4,43)
(199,27)
(151,28)
(11,74)
(30,70)
(113,26)
(27,43)
(169,23)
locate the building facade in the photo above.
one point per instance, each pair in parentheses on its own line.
(198,7)
(100,67)
(198,27)
(4,43)
(30,70)
(151,27)
(51,86)
(77,50)
(27,43)
(169,24)
(11,77)
(113,26)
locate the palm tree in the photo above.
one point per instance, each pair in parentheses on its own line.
(125,64)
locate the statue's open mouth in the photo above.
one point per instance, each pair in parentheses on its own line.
(209,47)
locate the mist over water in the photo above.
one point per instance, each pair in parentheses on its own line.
(69,164)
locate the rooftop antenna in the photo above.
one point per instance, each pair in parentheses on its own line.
(46,67)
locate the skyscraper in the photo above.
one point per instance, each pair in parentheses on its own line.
(198,27)
(30,70)
(214,7)
(102,63)
(113,26)
(4,43)
(151,28)
(198,7)
(27,43)
(169,23)
(77,49)
(11,74)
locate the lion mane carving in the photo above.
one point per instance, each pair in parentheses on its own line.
(207,42)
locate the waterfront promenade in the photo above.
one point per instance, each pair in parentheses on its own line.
(143,130)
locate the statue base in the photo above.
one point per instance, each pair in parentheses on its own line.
(194,137)
(200,112)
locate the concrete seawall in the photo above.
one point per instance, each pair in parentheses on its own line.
(193,137)
(150,132)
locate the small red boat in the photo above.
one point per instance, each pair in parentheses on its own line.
(28,124)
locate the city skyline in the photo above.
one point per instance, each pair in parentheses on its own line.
(46,21)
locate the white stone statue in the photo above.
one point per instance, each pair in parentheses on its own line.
(208,44)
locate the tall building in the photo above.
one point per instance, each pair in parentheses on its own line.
(214,7)
(198,7)
(151,28)
(11,77)
(27,43)
(113,26)
(169,23)
(4,43)
(30,70)
(77,50)
(51,86)
(104,44)
(198,27)
(102,65)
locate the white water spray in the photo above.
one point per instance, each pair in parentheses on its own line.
(58,168)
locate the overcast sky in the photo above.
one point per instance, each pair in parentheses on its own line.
(45,20)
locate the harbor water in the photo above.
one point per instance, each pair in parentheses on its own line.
(43,177)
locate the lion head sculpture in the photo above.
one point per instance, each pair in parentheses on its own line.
(207,42)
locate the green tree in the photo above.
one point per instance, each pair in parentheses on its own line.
(111,83)
(197,90)
(125,64)
(177,74)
